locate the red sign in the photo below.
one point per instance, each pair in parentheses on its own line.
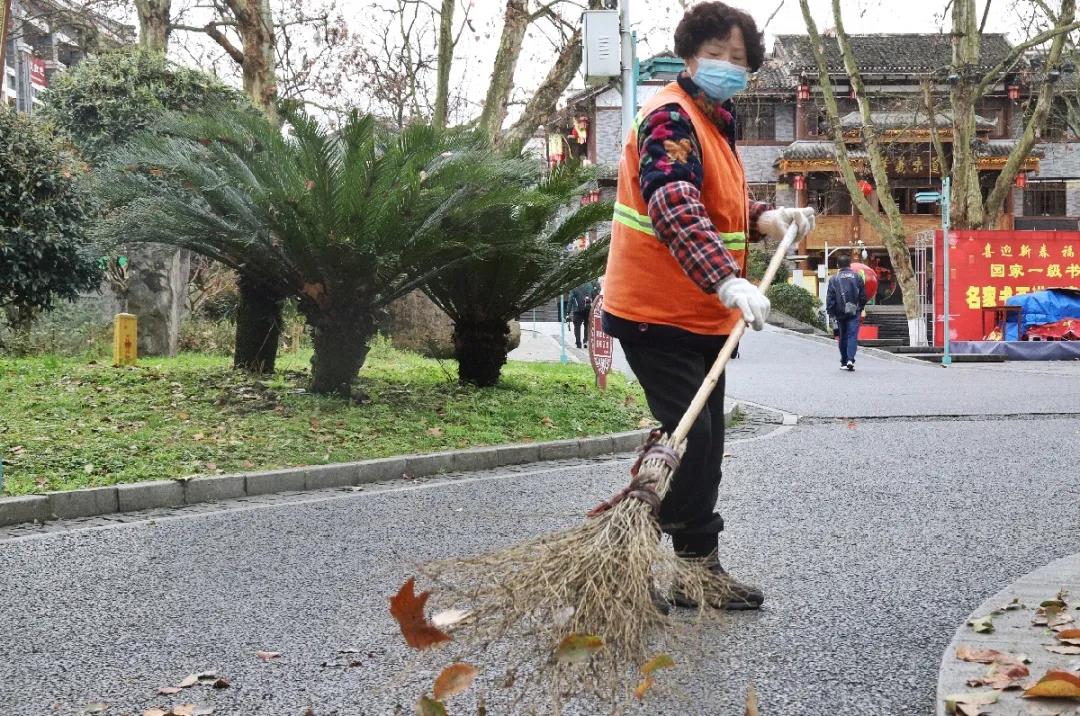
(37,72)
(600,344)
(988,267)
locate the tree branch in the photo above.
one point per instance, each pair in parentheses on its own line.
(1017,52)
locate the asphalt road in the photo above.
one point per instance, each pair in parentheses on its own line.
(873,538)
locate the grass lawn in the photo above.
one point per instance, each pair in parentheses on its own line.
(67,423)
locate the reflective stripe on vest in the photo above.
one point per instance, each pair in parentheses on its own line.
(625,215)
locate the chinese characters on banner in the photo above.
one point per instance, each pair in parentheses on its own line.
(989,267)
(601,345)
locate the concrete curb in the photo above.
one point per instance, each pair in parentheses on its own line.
(876,352)
(1014,634)
(95,501)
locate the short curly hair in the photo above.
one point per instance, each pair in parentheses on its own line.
(714,21)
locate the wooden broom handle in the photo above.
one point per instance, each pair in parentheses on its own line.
(706,389)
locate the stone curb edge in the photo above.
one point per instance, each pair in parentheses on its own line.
(876,352)
(93,501)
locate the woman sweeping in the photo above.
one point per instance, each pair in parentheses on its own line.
(673,289)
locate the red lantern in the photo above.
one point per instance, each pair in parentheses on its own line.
(1021,180)
(804,92)
(869,277)
(799,182)
(1014,92)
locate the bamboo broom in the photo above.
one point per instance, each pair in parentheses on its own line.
(587,594)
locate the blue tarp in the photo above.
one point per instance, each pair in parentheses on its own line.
(1050,306)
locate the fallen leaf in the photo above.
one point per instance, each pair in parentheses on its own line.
(430,707)
(266,656)
(221,684)
(751,700)
(982,625)
(988,656)
(548,422)
(314,422)
(453,680)
(661,661)
(184,415)
(449,617)
(578,648)
(168,690)
(1066,650)
(189,681)
(1003,677)
(974,698)
(309,712)
(1061,620)
(88,468)
(1014,604)
(434,432)
(211,466)
(95,707)
(182,710)
(407,608)
(1069,634)
(198,436)
(1055,685)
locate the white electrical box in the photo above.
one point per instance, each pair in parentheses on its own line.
(600,44)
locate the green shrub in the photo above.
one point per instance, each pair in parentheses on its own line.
(757,260)
(796,302)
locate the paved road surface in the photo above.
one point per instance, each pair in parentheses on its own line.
(873,538)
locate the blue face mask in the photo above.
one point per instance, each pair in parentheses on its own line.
(719,79)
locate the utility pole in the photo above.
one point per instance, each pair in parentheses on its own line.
(946,208)
(629,76)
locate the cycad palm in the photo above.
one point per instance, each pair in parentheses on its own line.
(345,222)
(518,260)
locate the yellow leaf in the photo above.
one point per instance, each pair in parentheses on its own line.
(982,625)
(578,648)
(450,617)
(1056,685)
(661,661)
(640,689)
(453,680)
(974,698)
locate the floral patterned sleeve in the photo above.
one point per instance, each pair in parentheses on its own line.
(670,174)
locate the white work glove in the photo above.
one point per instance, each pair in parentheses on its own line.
(735,292)
(774,223)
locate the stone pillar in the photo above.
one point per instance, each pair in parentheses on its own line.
(157,294)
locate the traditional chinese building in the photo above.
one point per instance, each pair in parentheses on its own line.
(46,37)
(790,158)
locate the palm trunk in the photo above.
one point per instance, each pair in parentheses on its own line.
(341,345)
(258,327)
(480,348)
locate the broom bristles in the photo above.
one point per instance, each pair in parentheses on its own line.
(598,578)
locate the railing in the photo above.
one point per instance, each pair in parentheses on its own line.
(844,229)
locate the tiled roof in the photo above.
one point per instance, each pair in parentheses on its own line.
(901,53)
(907,120)
(1003,147)
(810,149)
(774,75)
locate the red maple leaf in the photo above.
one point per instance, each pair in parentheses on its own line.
(407,608)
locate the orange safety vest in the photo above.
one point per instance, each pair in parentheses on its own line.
(643,282)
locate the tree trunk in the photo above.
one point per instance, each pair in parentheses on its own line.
(967,204)
(341,347)
(155,24)
(480,349)
(542,104)
(157,295)
(258,327)
(445,60)
(255,23)
(515,24)
(158,273)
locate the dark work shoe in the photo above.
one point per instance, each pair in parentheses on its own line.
(740,596)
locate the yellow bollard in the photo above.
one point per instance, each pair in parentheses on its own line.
(125,334)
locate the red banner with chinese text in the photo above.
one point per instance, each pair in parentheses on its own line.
(988,267)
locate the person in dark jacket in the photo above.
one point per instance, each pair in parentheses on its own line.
(844,303)
(580,305)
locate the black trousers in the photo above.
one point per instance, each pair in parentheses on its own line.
(671,365)
(580,319)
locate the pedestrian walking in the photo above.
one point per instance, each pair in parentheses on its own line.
(673,289)
(845,301)
(580,306)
